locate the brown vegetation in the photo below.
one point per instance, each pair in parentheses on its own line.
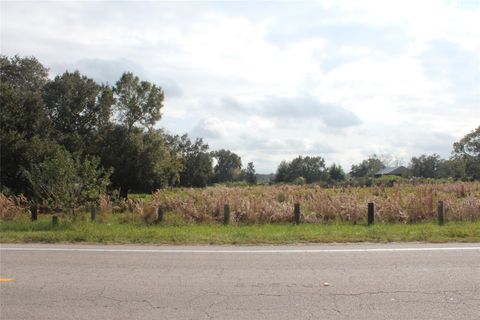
(269,204)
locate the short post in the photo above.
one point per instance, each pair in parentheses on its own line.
(93,212)
(159,215)
(371,213)
(441,213)
(34,212)
(297,213)
(55,220)
(226,214)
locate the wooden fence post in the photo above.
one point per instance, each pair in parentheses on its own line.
(441,213)
(34,212)
(93,212)
(297,213)
(371,213)
(226,214)
(159,214)
(55,220)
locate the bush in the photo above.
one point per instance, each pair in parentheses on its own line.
(64,182)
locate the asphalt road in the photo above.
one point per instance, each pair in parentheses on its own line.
(357,281)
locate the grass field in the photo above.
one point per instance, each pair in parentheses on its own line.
(112,232)
(259,214)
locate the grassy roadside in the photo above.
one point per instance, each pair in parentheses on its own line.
(88,232)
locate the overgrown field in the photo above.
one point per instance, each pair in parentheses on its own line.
(404,203)
(271,204)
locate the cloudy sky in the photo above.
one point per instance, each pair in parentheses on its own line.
(273,80)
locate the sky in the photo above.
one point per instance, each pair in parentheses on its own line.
(273,80)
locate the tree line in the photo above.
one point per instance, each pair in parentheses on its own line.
(68,139)
(464,164)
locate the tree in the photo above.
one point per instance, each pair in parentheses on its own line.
(23,119)
(141,161)
(196,160)
(137,102)
(249,174)
(228,167)
(77,108)
(312,169)
(336,173)
(428,166)
(367,168)
(65,182)
(282,171)
(467,150)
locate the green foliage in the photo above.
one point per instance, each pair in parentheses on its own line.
(63,181)
(141,160)
(336,173)
(249,174)
(428,166)
(137,102)
(467,151)
(367,168)
(196,160)
(77,107)
(228,167)
(388,180)
(312,169)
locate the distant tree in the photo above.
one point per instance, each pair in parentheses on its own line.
(367,168)
(312,169)
(428,166)
(249,174)
(336,173)
(467,150)
(196,160)
(137,102)
(228,167)
(282,172)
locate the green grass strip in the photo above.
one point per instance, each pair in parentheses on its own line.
(42,231)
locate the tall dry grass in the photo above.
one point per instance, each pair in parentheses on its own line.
(269,204)
(13,207)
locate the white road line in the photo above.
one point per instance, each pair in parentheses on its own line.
(411,249)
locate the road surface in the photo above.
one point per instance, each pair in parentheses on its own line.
(353,281)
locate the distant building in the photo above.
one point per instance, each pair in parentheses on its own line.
(392,171)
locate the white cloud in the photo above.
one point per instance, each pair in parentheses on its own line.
(402,77)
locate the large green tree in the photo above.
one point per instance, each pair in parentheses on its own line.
(228,167)
(77,107)
(137,102)
(467,151)
(142,161)
(196,160)
(23,121)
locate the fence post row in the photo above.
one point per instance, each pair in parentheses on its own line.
(297,213)
(159,215)
(441,213)
(371,213)
(226,214)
